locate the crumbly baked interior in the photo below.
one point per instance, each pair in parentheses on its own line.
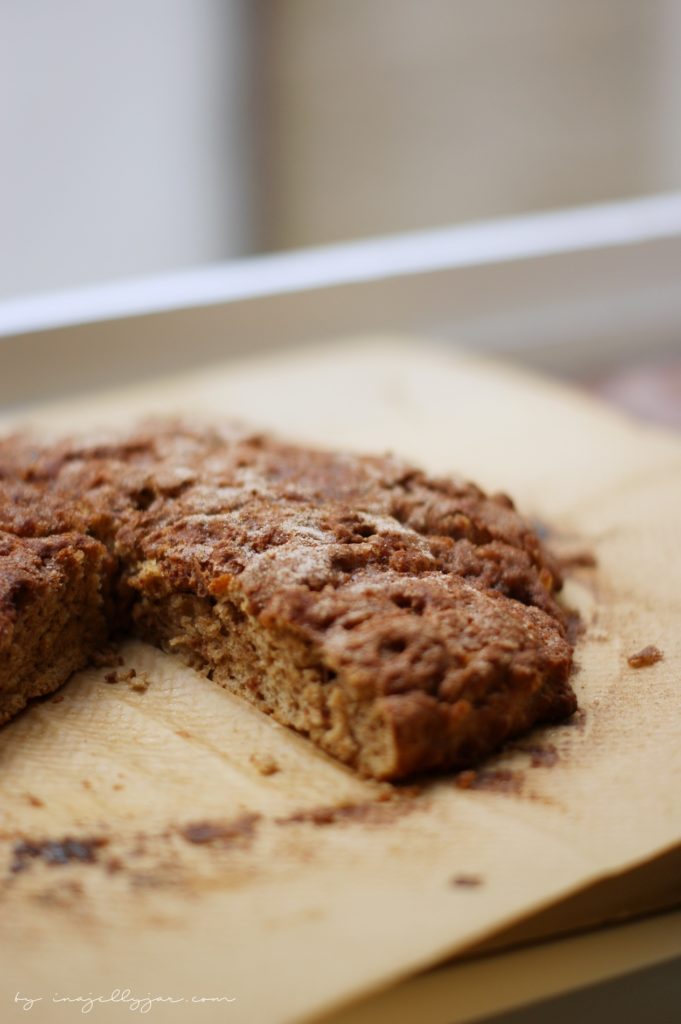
(402,622)
(54,593)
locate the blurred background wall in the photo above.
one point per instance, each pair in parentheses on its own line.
(394,115)
(145,135)
(126,130)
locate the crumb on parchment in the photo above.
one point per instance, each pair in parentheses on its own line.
(649,655)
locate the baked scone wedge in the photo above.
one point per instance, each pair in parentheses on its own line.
(55,612)
(403,623)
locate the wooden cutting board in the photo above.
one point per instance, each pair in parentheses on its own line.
(221,866)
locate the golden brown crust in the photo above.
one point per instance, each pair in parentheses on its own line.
(55,609)
(422,610)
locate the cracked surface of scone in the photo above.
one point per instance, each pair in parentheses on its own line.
(54,604)
(403,623)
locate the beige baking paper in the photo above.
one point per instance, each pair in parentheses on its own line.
(288,917)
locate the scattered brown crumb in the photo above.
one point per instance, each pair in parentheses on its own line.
(34,801)
(498,780)
(265,764)
(118,786)
(183,733)
(86,784)
(55,851)
(58,699)
(466,881)
(138,681)
(226,833)
(648,656)
(372,812)
(113,865)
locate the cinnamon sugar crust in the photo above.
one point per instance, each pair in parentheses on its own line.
(402,622)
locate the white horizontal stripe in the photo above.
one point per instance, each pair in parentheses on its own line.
(614,224)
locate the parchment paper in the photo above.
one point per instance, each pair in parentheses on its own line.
(290,915)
